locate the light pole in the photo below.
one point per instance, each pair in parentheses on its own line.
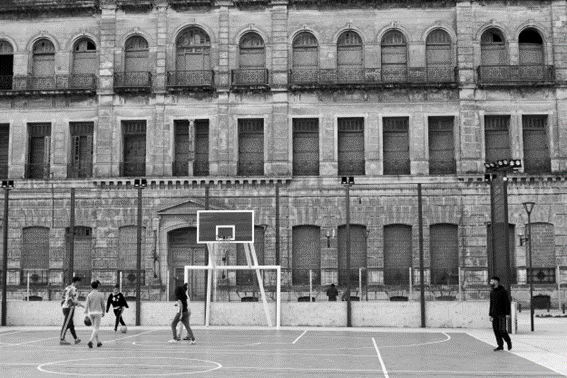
(347,182)
(529,206)
(7,185)
(140,184)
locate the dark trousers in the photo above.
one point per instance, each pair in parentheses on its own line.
(183,318)
(499,325)
(68,323)
(118,314)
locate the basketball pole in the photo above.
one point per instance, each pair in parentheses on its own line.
(5,257)
(252,252)
(209,285)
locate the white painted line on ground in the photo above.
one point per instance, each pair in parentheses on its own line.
(128,337)
(33,341)
(300,336)
(380,358)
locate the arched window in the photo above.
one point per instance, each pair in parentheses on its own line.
(193,50)
(444,251)
(306,254)
(493,48)
(543,252)
(252,51)
(136,55)
(358,258)
(394,57)
(531,47)
(6,65)
(305,52)
(84,57)
(43,58)
(349,51)
(439,55)
(127,253)
(82,256)
(35,255)
(397,254)
(184,250)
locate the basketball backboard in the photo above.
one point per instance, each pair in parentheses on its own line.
(225,226)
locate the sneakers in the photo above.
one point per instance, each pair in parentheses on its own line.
(186,338)
(510,345)
(64,342)
(99,344)
(77,341)
(193,342)
(498,348)
(90,344)
(173,340)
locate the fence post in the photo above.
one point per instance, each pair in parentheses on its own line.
(421,258)
(28,286)
(72,237)
(310,284)
(360,283)
(5,257)
(410,283)
(559,286)
(459,283)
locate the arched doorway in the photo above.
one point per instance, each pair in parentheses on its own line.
(184,250)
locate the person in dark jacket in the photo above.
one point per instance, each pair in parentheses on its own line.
(499,313)
(182,315)
(332,293)
(118,302)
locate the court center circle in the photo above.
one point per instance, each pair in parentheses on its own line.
(82,367)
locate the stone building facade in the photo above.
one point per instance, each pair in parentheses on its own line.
(249,95)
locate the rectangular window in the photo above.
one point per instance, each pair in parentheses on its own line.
(497,138)
(201,163)
(441,146)
(251,147)
(4,148)
(351,146)
(81,165)
(182,148)
(536,151)
(396,146)
(134,162)
(305,147)
(39,150)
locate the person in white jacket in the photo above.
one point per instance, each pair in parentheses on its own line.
(94,309)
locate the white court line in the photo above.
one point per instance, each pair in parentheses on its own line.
(127,337)
(33,341)
(516,354)
(380,358)
(299,337)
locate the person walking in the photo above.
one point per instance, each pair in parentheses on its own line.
(118,302)
(183,314)
(499,313)
(332,293)
(94,309)
(70,301)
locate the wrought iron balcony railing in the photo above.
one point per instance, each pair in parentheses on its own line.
(250,77)
(537,166)
(189,3)
(442,167)
(9,6)
(51,83)
(135,4)
(516,75)
(373,76)
(190,80)
(397,167)
(132,169)
(83,171)
(38,171)
(133,81)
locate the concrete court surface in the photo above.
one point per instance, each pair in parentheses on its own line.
(289,352)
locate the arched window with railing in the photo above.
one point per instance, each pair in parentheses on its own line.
(85,65)
(193,59)
(251,61)
(43,66)
(531,57)
(136,64)
(394,57)
(439,56)
(350,62)
(6,65)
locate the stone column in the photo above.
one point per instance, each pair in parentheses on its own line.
(558,124)
(161,159)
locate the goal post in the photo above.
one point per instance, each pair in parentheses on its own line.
(257,268)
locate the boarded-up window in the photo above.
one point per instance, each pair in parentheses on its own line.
(305,146)
(351,146)
(136,55)
(493,48)
(4,149)
(397,254)
(35,248)
(251,147)
(82,256)
(134,148)
(497,138)
(127,247)
(39,150)
(441,145)
(357,252)
(84,57)
(396,146)
(193,50)
(536,150)
(305,52)
(306,254)
(394,57)
(81,149)
(531,48)
(201,164)
(543,245)
(252,51)
(184,250)
(182,148)
(444,249)
(511,244)
(349,51)
(248,277)
(43,58)
(6,65)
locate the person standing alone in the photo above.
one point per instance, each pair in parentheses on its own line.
(499,313)
(94,309)
(118,302)
(70,301)
(182,315)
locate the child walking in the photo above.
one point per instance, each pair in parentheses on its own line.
(118,302)
(182,315)
(70,301)
(94,309)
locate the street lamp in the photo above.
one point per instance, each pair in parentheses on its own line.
(529,206)
(347,182)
